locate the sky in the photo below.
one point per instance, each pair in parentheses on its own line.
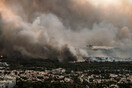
(58,29)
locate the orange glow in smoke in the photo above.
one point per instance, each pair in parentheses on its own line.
(1,56)
(7,13)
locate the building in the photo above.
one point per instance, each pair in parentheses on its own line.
(7,82)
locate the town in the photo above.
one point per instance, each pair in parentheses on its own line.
(73,77)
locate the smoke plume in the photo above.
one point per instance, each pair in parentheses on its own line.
(58,29)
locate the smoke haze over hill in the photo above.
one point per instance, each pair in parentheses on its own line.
(55,28)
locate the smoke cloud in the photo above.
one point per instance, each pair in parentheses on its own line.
(56,29)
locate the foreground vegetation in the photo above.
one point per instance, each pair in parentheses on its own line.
(47,84)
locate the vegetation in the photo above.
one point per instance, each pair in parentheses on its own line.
(40,64)
(47,84)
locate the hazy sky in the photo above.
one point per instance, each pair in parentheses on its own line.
(55,28)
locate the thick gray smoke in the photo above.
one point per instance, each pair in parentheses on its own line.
(58,28)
